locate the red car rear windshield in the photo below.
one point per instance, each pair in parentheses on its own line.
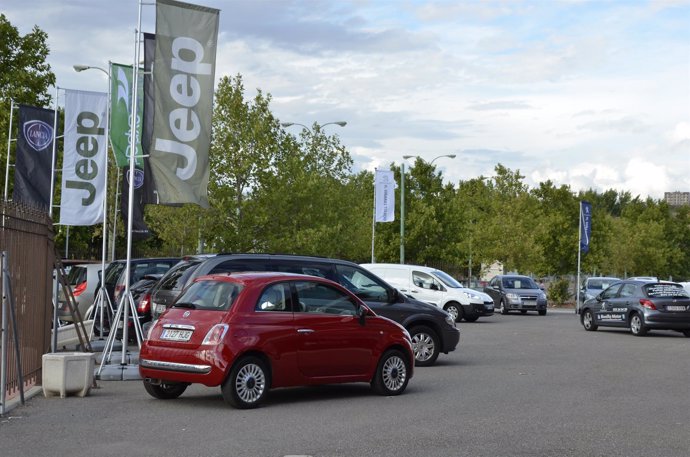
(211,295)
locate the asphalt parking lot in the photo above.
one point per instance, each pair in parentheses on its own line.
(518,385)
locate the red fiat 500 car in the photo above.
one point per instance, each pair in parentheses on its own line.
(250,332)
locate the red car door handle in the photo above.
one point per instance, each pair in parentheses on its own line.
(305,330)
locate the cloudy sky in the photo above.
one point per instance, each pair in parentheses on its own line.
(585,93)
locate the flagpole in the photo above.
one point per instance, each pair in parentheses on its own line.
(9,141)
(52,163)
(579,256)
(373,221)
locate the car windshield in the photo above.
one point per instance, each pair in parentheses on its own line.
(447,279)
(519,283)
(210,294)
(600,284)
(660,290)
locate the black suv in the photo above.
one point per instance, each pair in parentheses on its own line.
(432,330)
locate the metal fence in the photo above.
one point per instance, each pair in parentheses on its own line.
(26,236)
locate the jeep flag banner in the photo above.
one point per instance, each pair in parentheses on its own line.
(84,159)
(121,86)
(585,225)
(32,168)
(183,81)
(384,189)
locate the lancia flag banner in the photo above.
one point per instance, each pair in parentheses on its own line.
(84,160)
(121,86)
(33,169)
(140,230)
(585,225)
(183,81)
(384,189)
(149,194)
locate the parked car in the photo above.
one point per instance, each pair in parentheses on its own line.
(516,292)
(84,281)
(436,287)
(251,332)
(115,277)
(591,287)
(433,330)
(172,283)
(640,306)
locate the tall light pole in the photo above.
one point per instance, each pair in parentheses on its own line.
(290,124)
(402,200)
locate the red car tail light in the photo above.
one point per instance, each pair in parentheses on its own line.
(647,304)
(216,334)
(144,304)
(79,288)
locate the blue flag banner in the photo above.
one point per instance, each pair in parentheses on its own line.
(585,225)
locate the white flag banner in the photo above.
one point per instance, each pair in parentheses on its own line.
(384,188)
(84,159)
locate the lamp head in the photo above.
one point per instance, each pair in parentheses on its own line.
(341,123)
(79,68)
(408,157)
(286,124)
(452,156)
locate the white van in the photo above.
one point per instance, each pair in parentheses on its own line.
(435,287)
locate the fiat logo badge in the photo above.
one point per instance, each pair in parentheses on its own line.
(186,314)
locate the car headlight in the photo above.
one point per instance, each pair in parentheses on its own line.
(512,296)
(473,296)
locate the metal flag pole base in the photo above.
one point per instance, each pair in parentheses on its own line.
(124,365)
(102,313)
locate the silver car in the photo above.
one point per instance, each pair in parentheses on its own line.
(83,280)
(518,293)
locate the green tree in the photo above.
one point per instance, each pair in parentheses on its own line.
(246,141)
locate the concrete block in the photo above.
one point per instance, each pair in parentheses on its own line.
(67,373)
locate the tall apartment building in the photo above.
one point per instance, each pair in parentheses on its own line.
(677,198)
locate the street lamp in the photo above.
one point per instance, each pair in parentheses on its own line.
(290,124)
(80,68)
(402,200)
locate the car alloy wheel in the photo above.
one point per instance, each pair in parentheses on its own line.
(248,383)
(588,321)
(455,311)
(425,345)
(391,374)
(637,326)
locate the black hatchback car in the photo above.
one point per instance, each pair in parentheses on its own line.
(640,306)
(433,330)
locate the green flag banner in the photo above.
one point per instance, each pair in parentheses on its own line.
(121,110)
(183,80)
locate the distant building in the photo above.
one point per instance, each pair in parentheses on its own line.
(677,198)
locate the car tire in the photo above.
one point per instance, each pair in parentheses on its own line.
(523,311)
(588,321)
(471,319)
(165,391)
(637,326)
(392,373)
(542,312)
(425,344)
(686,333)
(247,384)
(503,308)
(455,310)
